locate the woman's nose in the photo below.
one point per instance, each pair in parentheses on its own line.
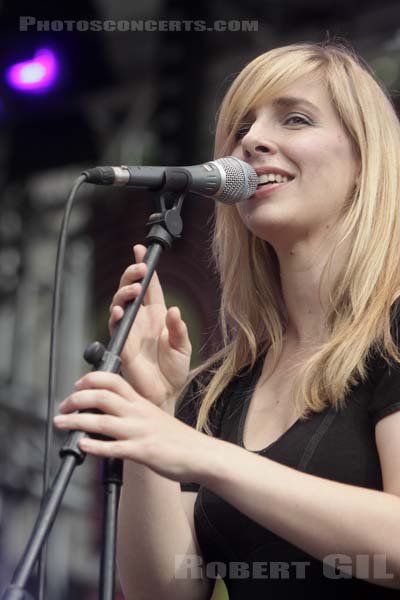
(255,143)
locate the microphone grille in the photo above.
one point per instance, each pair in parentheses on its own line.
(241,180)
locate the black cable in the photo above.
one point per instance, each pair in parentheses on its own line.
(59,268)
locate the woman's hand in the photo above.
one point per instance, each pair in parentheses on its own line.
(156,355)
(140,430)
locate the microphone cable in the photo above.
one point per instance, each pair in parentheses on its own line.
(55,314)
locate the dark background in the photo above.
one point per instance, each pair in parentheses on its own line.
(128,97)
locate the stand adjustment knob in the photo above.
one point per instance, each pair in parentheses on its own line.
(94,353)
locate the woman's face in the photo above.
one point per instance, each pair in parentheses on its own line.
(297,135)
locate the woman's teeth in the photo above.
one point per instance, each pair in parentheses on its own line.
(272,178)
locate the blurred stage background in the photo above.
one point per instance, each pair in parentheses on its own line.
(115,97)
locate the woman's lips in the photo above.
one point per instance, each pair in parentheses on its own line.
(268,188)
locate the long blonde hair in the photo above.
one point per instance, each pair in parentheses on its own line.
(358,321)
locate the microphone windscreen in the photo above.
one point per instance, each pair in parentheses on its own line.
(241,180)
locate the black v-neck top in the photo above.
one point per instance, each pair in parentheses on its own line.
(335,445)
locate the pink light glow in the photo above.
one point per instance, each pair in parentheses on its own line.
(36,75)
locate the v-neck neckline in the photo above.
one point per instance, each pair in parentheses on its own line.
(246,405)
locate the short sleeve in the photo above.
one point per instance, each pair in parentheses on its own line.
(386,394)
(385,398)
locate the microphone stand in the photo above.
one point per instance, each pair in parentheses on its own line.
(165,227)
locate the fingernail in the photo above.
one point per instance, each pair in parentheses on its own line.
(78,382)
(58,419)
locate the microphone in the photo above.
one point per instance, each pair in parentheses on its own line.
(228,180)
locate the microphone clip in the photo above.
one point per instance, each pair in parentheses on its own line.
(166,225)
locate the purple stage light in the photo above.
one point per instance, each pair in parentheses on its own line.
(36,75)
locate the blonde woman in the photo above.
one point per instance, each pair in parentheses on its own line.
(280,467)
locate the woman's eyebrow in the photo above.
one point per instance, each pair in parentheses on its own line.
(291,101)
(249,116)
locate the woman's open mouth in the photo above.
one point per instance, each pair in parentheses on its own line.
(270,182)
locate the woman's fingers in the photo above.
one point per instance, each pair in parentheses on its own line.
(139,252)
(107,381)
(104,392)
(93,399)
(177,331)
(110,449)
(126,293)
(133,273)
(116,315)
(130,287)
(154,294)
(123,449)
(108,425)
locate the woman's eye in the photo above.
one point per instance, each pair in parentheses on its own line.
(297,120)
(242,131)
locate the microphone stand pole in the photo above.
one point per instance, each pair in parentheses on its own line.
(165,227)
